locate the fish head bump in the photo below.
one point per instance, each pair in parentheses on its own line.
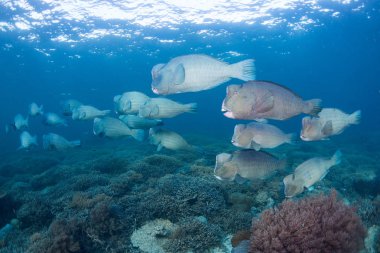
(235,103)
(164,78)
(241,137)
(98,127)
(225,169)
(310,129)
(293,186)
(153,136)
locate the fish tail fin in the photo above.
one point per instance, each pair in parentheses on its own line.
(192,107)
(106,112)
(75,143)
(244,70)
(291,138)
(313,107)
(355,117)
(197,149)
(138,134)
(41,109)
(337,157)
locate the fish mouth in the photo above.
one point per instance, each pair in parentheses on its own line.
(304,138)
(229,114)
(224,108)
(155,90)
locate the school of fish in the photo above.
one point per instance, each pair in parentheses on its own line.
(136,112)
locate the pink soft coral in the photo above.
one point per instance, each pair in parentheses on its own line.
(315,224)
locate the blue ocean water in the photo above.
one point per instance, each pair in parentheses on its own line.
(94,50)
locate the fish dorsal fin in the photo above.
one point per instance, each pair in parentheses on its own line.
(255,145)
(327,128)
(179,74)
(264,103)
(282,86)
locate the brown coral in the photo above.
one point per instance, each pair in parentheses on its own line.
(315,224)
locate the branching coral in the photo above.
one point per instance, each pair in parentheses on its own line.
(194,235)
(315,224)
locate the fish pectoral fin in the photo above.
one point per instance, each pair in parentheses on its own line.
(262,120)
(255,145)
(311,188)
(179,74)
(155,111)
(327,128)
(159,147)
(239,179)
(264,103)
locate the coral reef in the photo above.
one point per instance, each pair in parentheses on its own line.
(315,224)
(157,165)
(369,211)
(36,212)
(195,235)
(153,235)
(62,237)
(91,200)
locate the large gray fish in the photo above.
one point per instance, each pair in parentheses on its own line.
(265,100)
(259,135)
(157,108)
(52,119)
(197,72)
(69,105)
(330,121)
(88,112)
(27,140)
(129,102)
(20,122)
(115,128)
(137,122)
(169,139)
(308,173)
(57,142)
(247,164)
(35,110)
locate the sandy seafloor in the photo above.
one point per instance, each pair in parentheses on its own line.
(94,197)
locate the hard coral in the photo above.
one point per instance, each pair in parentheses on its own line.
(315,224)
(194,235)
(62,237)
(157,165)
